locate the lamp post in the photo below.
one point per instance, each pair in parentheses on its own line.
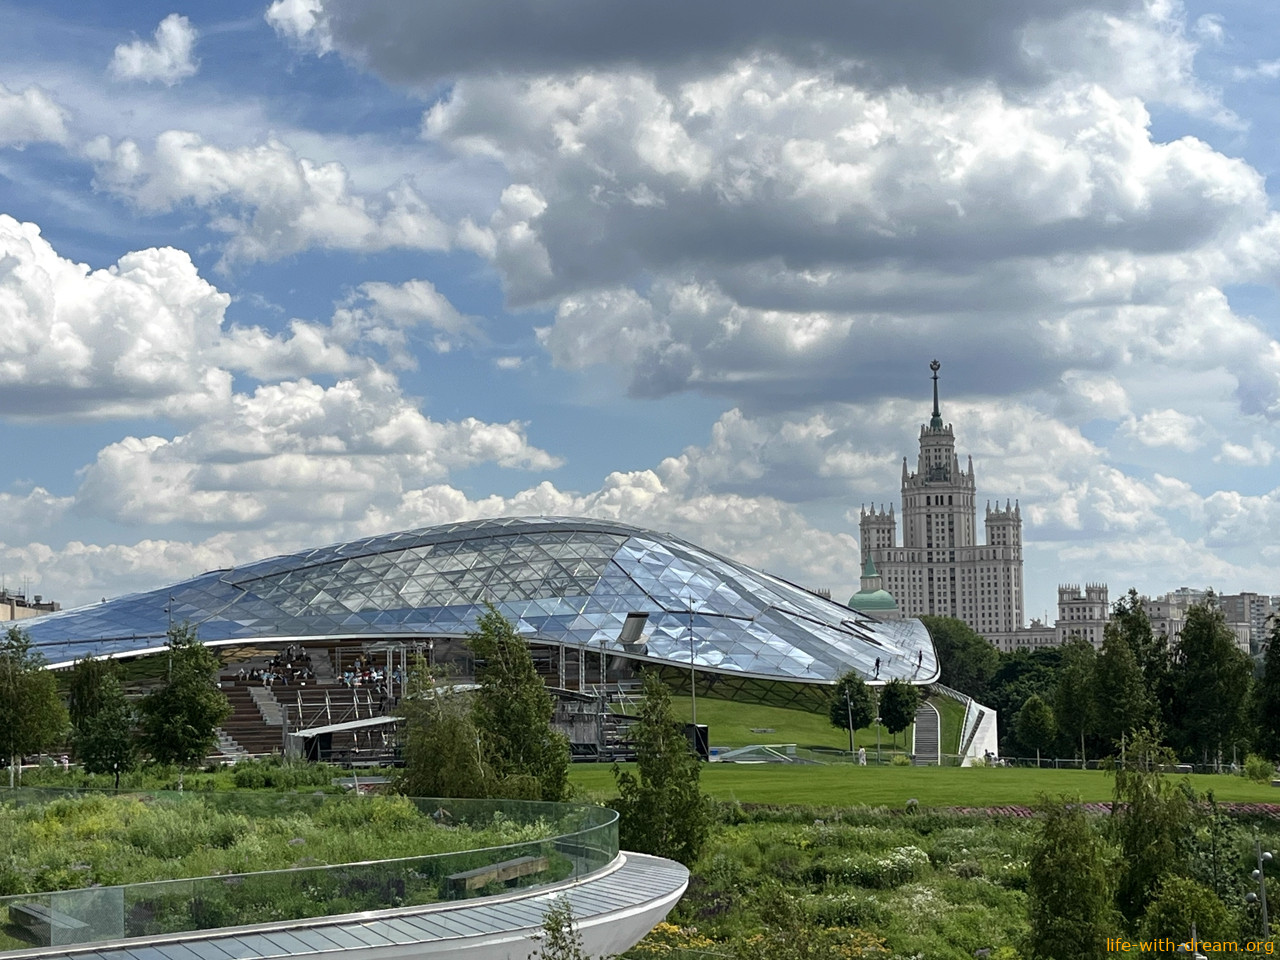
(877,739)
(848,715)
(1264,857)
(693,675)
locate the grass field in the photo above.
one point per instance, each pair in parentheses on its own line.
(736,724)
(846,785)
(952,714)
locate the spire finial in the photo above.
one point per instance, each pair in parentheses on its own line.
(935,423)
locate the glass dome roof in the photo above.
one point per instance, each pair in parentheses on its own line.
(562,581)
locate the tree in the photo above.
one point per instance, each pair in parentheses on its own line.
(1151,822)
(1180,902)
(32,717)
(1211,686)
(1021,674)
(105,741)
(180,718)
(1069,888)
(1267,698)
(967,660)
(85,695)
(898,703)
(1150,650)
(661,807)
(1121,704)
(853,705)
(441,744)
(512,714)
(560,939)
(1036,726)
(1073,695)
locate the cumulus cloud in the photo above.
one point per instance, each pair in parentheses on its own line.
(104,343)
(1257,452)
(271,202)
(30,514)
(302,22)
(30,116)
(168,58)
(384,313)
(759,231)
(1166,428)
(932,44)
(149,335)
(295,451)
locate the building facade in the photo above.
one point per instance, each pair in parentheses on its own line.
(19,607)
(1082,613)
(940,569)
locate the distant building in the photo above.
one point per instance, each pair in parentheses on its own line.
(1085,613)
(940,569)
(1082,613)
(1253,610)
(18,607)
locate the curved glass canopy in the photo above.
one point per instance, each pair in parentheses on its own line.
(562,581)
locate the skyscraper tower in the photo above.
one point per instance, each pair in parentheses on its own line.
(940,569)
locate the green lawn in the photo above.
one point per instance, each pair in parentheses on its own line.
(846,785)
(743,724)
(952,714)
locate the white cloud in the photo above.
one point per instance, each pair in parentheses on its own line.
(104,343)
(1263,69)
(295,451)
(30,116)
(32,513)
(1166,428)
(271,202)
(1210,28)
(807,223)
(301,21)
(383,313)
(148,335)
(1256,453)
(168,59)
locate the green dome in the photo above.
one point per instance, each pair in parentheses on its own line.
(873,601)
(872,598)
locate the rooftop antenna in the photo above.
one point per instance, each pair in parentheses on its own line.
(936,422)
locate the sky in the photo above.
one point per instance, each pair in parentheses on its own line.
(279,274)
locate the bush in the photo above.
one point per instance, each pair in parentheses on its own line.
(273,773)
(883,872)
(849,909)
(1258,769)
(900,760)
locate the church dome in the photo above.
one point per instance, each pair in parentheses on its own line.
(873,598)
(873,601)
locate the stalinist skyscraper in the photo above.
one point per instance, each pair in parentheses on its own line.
(940,569)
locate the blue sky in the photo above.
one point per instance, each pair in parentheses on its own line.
(277,274)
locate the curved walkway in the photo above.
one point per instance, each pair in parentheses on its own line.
(613,909)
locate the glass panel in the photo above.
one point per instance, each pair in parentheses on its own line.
(584,839)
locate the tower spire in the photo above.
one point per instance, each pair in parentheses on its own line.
(935,423)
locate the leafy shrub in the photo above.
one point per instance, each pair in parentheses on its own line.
(882,872)
(1259,769)
(849,909)
(273,773)
(967,869)
(900,760)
